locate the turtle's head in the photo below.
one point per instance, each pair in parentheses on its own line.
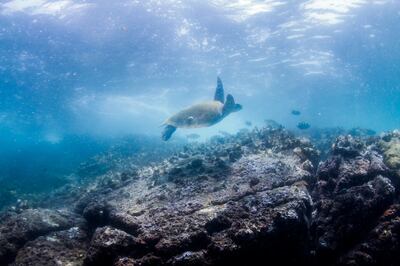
(230,106)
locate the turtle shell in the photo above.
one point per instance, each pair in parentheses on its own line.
(198,115)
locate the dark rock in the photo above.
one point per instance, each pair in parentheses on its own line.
(217,224)
(125,261)
(168,247)
(107,244)
(347,146)
(125,222)
(59,248)
(351,193)
(254,181)
(17,229)
(189,258)
(261,231)
(196,163)
(149,260)
(96,214)
(382,244)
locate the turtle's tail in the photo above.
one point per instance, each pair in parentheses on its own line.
(167,132)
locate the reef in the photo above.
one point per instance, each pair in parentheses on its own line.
(247,199)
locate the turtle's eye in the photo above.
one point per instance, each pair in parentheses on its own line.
(190,120)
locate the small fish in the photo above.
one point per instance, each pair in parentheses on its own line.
(303,125)
(193,136)
(296,112)
(248,123)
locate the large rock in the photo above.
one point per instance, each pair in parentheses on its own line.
(108,242)
(382,244)
(59,248)
(225,204)
(352,191)
(17,229)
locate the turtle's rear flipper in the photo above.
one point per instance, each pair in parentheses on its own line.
(167,132)
(230,105)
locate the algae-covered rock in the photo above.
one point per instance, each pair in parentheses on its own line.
(390,145)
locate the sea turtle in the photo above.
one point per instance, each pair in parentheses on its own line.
(203,114)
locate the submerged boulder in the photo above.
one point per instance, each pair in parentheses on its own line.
(66,247)
(352,192)
(381,245)
(108,242)
(255,205)
(16,229)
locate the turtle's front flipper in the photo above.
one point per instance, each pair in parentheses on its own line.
(167,132)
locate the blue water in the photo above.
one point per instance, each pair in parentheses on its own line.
(77,75)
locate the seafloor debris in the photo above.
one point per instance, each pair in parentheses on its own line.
(255,197)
